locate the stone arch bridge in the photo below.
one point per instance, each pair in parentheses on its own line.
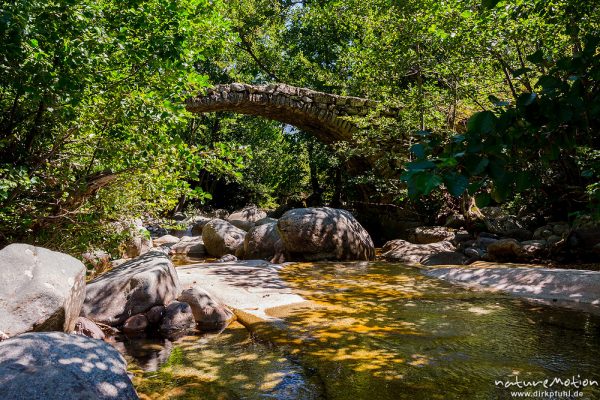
(322,114)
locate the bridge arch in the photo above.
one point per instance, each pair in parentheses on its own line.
(322,114)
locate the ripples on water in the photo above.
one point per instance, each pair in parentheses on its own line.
(384,331)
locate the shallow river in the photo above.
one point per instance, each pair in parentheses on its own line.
(379,331)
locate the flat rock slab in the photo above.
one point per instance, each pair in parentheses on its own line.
(251,286)
(566,287)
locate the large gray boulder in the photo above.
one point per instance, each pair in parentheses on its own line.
(189,246)
(324,234)
(411,253)
(247,217)
(40,290)
(262,242)
(131,288)
(55,365)
(220,238)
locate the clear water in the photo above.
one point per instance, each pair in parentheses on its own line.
(384,331)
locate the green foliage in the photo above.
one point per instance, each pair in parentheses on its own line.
(91,97)
(492,98)
(546,142)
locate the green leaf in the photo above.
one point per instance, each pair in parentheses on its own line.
(418,150)
(420,165)
(426,182)
(456,183)
(549,83)
(482,122)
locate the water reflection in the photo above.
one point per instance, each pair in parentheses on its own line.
(375,331)
(227,365)
(385,331)
(148,353)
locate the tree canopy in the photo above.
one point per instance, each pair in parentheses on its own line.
(496,99)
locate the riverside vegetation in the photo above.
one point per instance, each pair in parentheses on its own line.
(496,104)
(314,169)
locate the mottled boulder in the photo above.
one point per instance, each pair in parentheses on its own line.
(324,234)
(40,290)
(189,246)
(411,253)
(445,258)
(246,218)
(455,221)
(208,312)
(178,318)
(136,324)
(220,238)
(46,366)
(131,288)
(585,241)
(262,242)
(165,240)
(474,253)
(505,250)
(485,239)
(430,234)
(86,327)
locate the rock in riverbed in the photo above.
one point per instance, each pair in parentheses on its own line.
(165,240)
(262,242)
(430,234)
(189,246)
(178,318)
(324,234)
(131,288)
(86,327)
(246,218)
(47,366)
(40,290)
(410,253)
(208,313)
(220,237)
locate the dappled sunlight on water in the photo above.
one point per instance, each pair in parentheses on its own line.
(224,366)
(380,330)
(375,331)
